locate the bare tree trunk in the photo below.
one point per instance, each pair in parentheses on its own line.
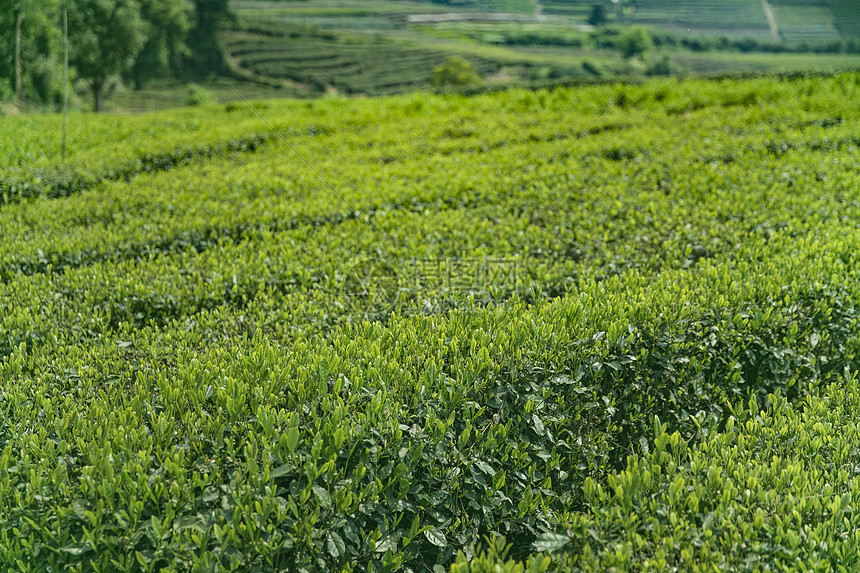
(19,84)
(65,76)
(98,86)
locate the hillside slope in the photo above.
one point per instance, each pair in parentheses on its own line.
(392,47)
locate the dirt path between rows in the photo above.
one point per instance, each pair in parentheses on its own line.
(771,20)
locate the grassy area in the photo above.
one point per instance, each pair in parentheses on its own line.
(803,23)
(580,11)
(734,18)
(172,93)
(515,6)
(707,63)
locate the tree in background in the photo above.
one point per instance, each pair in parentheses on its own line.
(634,41)
(165,51)
(105,38)
(29,41)
(455,72)
(207,53)
(136,40)
(598,15)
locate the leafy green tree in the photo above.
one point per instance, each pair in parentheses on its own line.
(207,53)
(456,72)
(661,67)
(167,24)
(598,15)
(29,40)
(634,41)
(105,36)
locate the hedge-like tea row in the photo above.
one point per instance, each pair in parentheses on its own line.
(582,204)
(776,489)
(524,401)
(51,184)
(188,379)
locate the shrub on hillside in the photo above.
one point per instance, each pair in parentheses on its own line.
(634,41)
(198,96)
(456,72)
(661,67)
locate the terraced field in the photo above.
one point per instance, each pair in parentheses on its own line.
(847,17)
(387,47)
(797,20)
(349,64)
(588,328)
(802,23)
(732,18)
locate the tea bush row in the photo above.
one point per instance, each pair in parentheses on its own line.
(188,382)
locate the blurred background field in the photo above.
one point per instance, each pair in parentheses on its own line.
(312,48)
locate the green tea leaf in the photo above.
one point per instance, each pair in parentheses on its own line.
(551,541)
(281,471)
(292,439)
(335,545)
(436,537)
(486,468)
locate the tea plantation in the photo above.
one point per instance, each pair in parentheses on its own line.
(526,329)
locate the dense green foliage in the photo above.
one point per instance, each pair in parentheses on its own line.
(29,44)
(190,381)
(106,36)
(207,53)
(774,490)
(136,40)
(456,72)
(164,52)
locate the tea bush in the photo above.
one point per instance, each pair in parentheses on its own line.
(450,347)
